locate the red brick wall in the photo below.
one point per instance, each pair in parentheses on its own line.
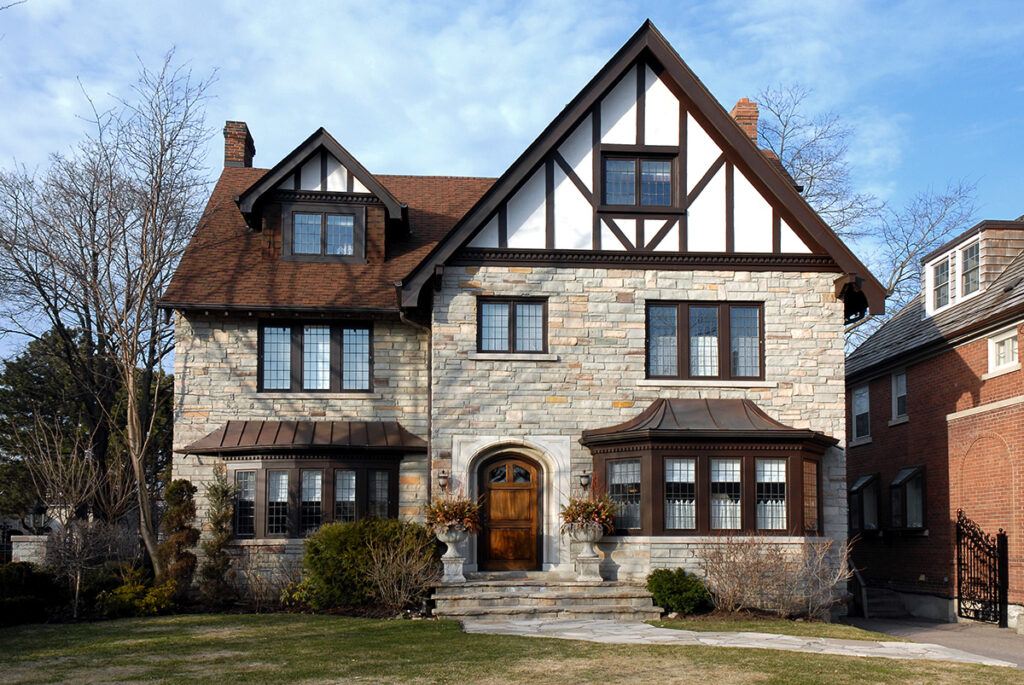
(974,462)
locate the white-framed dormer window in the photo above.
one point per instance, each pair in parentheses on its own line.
(1003,354)
(899,395)
(970,269)
(940,284)
(861,413)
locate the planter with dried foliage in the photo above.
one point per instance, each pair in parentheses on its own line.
(453,517)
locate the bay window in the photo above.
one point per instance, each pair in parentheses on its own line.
(344,495)
(705,340)
(245,504)
(771,494)
(680,494)
(863,501)
(906,494)
(315,357)
(624,490)
(277,503)
(310,512)
(812,501)
(726,503)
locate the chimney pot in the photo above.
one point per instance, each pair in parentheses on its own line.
(745,113)
(239,148)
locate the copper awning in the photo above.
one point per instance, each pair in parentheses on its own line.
(696,418)
(286,437)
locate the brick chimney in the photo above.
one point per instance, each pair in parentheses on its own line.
(239,149)
(745,114)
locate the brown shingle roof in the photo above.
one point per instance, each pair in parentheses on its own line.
(228,265)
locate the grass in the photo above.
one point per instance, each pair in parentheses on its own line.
(751,623)
(295,648)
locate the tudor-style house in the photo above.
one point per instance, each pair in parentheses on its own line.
(937,426)
(643,300)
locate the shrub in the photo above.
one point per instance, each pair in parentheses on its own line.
(347,565)
(679,591)
(453,511)
(180,536)
(593,510)
(215,573)
(27,593)
(759,574)
(134,597)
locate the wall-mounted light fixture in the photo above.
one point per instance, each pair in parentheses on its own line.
(442,479)
(585,480)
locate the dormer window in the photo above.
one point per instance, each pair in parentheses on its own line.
(970,269)
(940,284)
(323,232)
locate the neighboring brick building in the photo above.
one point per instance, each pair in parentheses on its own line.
(643,296)
(953,433)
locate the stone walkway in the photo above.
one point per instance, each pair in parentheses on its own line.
(616,632)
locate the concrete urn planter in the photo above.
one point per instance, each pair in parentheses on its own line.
(588,563)
(452,537)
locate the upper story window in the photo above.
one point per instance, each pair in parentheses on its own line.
(316,357)
(512,325)
(970,269)
(705,340)
(637,181)
(940,284)
(907,499)
(861,413)
(899,395)
(323,233)
(1003,351)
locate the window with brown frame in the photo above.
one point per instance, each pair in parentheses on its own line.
(315,357)
(636,181)
(705,340)
(298,496)
(323,233)
(812,500)
(517,325)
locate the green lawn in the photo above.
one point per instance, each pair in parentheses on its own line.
(716,623)
(293,648)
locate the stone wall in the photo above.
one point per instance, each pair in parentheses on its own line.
(215,377)
(594,374)
(32,549)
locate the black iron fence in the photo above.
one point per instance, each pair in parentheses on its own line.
(983,573)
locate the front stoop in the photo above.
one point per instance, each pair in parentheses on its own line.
(501,596)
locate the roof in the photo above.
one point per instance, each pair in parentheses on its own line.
(227,265)
(910,331)
(649,41)
(286,437)
(701,418)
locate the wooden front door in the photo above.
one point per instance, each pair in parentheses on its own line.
(510,537)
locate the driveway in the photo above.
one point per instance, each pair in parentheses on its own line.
(985,639)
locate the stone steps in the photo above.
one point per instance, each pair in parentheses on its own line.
(884,603)
(506,596)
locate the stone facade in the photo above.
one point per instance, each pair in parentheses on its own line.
(594,374)
(215,379)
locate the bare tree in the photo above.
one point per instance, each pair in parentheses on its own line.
(87,250)
(65,475)
(85,545)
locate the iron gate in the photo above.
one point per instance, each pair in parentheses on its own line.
(982,572)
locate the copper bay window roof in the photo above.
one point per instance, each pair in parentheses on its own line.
(236,438)
(702,419)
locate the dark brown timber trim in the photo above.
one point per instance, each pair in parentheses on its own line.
(503,226)
(660,235)
(572,176)
(705,179)
(730,213)
(323,171)
(776,231)
(661,260)
(549,203)
(641,103)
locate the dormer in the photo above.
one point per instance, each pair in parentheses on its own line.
(318,204)
(966,265)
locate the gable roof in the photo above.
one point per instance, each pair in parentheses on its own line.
(228,266)
(647,40)
(910,332)
(319,139)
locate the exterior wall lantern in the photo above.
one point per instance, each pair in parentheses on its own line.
(442,479)
(585,480)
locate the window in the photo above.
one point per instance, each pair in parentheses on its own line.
(326,235)
(861,413)
(1003,351)
(812,502)
(970,269)
(245,504)
(624,187)
(940,284)
(379,501)
(345,495)
(899,395)
(511,325)
(315,358)
(771,494)
(680,494)
(907,499)
(310,506)
(864,503)
(688,340)
(277,503)
(726,506)
(624,489)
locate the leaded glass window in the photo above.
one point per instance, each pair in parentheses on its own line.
(745,341)
(624,186)
(511,325)
(316,357)
(245,504)
(662,341)
(310,505)
(277,358)
(355,368)
(379,501)
(726,490)
(328,358)
(620,181)
(771,494)
(306,234)
(688,340)
(703,341)
(680,494)
(529,327)
(344,495)
(340,234)
(277,503)
(656,183)
(624,489)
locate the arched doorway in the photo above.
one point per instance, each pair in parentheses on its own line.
(510,537)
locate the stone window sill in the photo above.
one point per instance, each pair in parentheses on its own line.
(333,396)
(657,382)
(1001,371)
(513,357)
(898,420)
(860,441)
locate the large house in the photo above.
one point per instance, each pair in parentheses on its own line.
(937,426)
(643,299)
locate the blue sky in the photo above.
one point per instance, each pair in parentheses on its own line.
(934,90)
